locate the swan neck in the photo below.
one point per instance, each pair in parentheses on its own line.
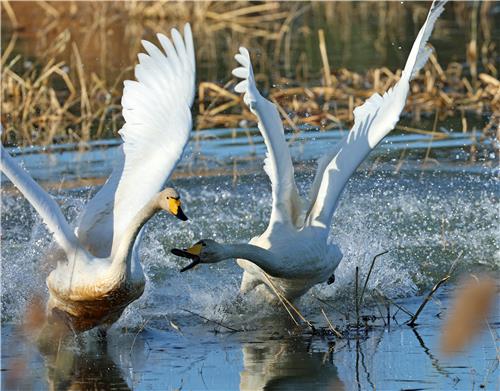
(124,253)
(263,258)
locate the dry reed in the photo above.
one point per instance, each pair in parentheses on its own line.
(69,96)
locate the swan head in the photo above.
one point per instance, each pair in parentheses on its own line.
(169,200)
(204,251)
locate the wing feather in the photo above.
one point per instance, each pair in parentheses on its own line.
(278,162)
(43,203)
(372,122)
(157,114)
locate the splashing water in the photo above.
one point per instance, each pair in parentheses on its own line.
(424,220)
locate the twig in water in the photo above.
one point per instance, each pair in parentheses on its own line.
(369,274)
(143,326)
(214,321)
(281,299)
(413,319)
(334,330)
(399,306)
(356,297)
(284,300)
(345,315)
(389,315)
(381,314)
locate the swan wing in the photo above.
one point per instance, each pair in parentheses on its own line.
(157,113)
(43,203)
(372,122)
(278,162)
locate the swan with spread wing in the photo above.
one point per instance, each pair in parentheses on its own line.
(99,271)
(293,254)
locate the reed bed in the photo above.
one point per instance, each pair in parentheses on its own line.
(70,91)
(47,104)
(448,92)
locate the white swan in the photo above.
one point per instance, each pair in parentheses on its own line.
(293,254)
(99,271)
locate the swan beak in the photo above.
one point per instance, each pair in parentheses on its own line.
(174,207)
(331,279)
(190,253)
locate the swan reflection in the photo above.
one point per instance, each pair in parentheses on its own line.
(287,364)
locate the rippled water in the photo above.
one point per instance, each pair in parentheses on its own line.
(425,212)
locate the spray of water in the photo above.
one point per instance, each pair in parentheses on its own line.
(425,221)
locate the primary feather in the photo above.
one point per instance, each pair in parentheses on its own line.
(287,206)
(372,122)
(156,109)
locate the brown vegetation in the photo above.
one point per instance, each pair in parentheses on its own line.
(70,91)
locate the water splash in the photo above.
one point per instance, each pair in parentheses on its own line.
(425,220)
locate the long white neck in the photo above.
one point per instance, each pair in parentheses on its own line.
(121,262)
(263,258)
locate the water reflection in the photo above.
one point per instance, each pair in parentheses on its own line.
(287,364)
(72,363)
(92,369)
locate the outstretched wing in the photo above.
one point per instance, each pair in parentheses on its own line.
(44,204)
(158,122)
(278,163)
(372,122)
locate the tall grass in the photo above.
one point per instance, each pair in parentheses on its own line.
(63,63)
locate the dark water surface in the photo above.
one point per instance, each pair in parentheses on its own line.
(284,42)
(198,355)
(358,35)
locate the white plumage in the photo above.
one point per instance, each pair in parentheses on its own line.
(293,254)
(101,273)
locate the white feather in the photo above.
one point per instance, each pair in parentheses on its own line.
(44,204)
(372,122)
(156,109)
(278,163)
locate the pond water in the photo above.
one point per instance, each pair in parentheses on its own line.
(430,199)
(426,212)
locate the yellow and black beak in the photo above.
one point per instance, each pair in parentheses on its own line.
(190,253)
(174,207)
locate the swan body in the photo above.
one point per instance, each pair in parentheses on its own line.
(303,261)
(293,254)
(98,269)
(99,289)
